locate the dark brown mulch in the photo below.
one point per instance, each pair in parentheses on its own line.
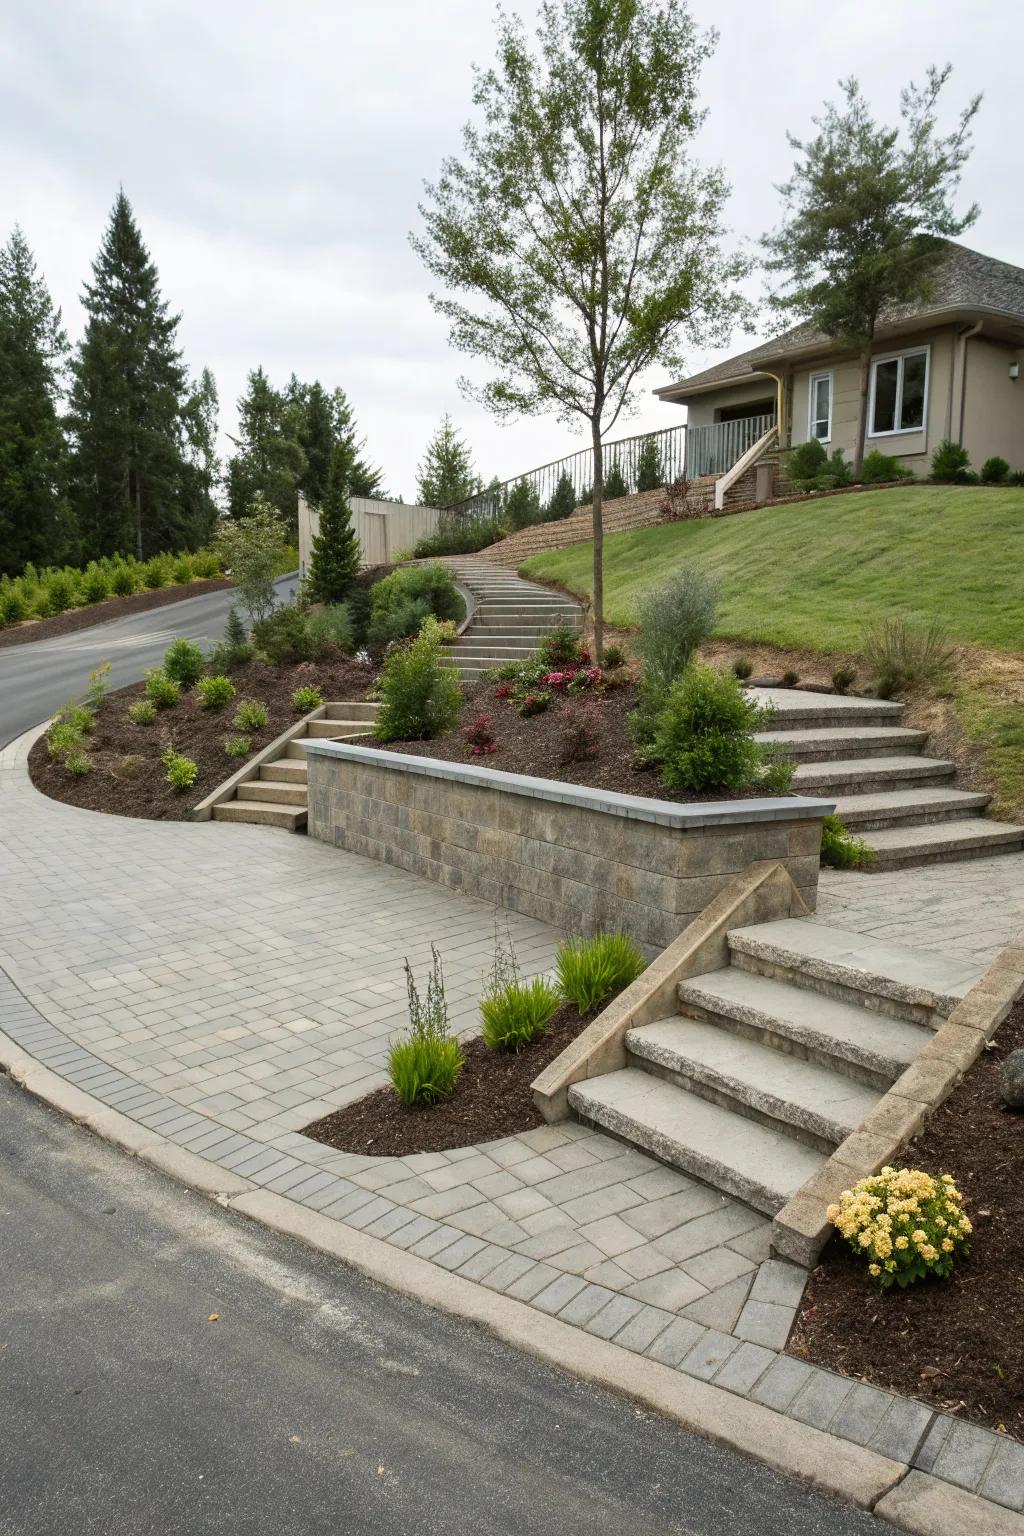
(957,1343)
(537,745)
(492,1098)
(102,613)
(127,777)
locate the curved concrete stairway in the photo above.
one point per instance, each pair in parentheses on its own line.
(509,620)
(277,797)
(774,1060)
(904,805)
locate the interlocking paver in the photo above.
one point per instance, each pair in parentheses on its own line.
(709,1354)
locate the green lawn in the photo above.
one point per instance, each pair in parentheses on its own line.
(811,575)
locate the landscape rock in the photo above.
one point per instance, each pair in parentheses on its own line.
(1013,1079)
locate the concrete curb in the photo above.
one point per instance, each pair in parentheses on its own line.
(926,1506)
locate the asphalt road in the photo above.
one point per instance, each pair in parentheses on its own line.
(316,1402)
(38,677)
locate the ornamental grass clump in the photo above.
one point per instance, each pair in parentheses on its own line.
(425,1066)
(590,972)
(251,715)
(906,1223)
(514,1012)
(840,850)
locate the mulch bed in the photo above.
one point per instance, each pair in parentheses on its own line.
(537,745)
(958,1344)
(127,777)
(492,1098)
(102,613)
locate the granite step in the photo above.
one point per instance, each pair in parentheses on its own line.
(287,770)
(850,775)
(730,1152)
(289,817)
(786,1093)
(795,709)
(869,1047)
(273,792)
(907,807)
(973,837)
(837,743)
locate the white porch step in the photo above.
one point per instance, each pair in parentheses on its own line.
(838,742)
(785,1092)
(849,775)
(869,1046)
(940,842)
(728,1151)
(907,807)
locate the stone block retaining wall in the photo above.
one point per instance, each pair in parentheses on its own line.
(582,859)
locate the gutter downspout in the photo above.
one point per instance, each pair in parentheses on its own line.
(780,405)
(964,339)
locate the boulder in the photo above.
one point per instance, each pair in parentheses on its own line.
(1013,1079)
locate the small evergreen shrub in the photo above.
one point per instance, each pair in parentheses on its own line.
(615,484)
(995,471)
(519,1014)
(95,585)
(804,462)
(843,678)
(460,535)
(561,648)
(841,851)
(563,501)
(143,712)
(238,746)
(251,715)
(650,472)
(123,579)
(522,506)
(614,656)
(215,692)
(419,697)
(742,668)
(880,468)
(951,464)
(62,738)
(78,763)
(184,662)
(903,655)
(306,698)
(331,631)
(283,636)
(425,1066)
(154,574)
(590,972)
(181,772)
(705,734)
(162,690)
(907,1224)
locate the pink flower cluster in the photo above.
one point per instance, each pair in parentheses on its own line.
(577,678)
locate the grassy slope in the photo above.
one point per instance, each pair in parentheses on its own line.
(812,574)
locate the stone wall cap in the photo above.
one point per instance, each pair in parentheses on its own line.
(669,813)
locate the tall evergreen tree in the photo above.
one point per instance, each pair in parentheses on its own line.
(563,501)
(650,472)
(202,464)
(324,420)
(34,521)
(335,556)
(270,461)
(446,474)
(128,464)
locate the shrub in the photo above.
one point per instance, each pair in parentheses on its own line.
(561,648)
(182,772)
(397,623)
(306,698)
(181,571)
(1016,478)
(951,463)
(673,621)
(79,716)
(460,535)
(614,656)
(78,763)
(95,585)
(61,592)
(742,668)
(184,662)
(907,1224)
(615,484)
(479,737)
(534,703)
(238,746)
(705,735)
(880,467)
(563,501)
(650,472)
(99,684)
(419,697)
(519,1014)
(13,607)
(400,602)
(253,549)
(331,630)
(62,737)
(143,712)
(995,471)
(903,655)
(123,579)
(790,678)
(844,678)
(215,692)
(581,736)
(162,690)
(425,1066)
(251,715)
(283,636)
(234,630)
(205,565)
(804,462)
(154,574)
(590,972)
(841,851)
(234,650)
(522,507)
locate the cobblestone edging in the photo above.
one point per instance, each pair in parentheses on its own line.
(187,1004)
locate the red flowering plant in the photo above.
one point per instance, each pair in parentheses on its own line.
(478,736)
(504,691)
(534,703)
(586,679)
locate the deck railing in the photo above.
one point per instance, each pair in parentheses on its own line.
(714,449)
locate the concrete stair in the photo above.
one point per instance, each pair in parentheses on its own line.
(510,618)
(903,804)
(771,1062)
(277,797)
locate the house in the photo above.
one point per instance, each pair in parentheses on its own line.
(946,368)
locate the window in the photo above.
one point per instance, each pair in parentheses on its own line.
(820,407)
(899,390)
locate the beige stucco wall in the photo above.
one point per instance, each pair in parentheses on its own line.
(993,403)
(700,412)
(382,528)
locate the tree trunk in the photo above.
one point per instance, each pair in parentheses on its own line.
(598,543)
(138,515)
(862,412)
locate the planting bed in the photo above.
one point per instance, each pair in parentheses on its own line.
(127,777)
(110,608)
(958,1343)
(492,1098)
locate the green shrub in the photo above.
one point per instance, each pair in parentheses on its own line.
(95,584)
(519,1014)
(841,851)
(306,698)
(614,484)
(563,501)
(522,506)
(995,471)
(13,607)
(419,697)
(400,602)
(78,763)
(206,565)
(154,574)
(705,734)
(255,550)
(396,624)
(790,678)
(903,655)
(162,690)
(181,571)
(123,579)
(650,472)
(238,746)
(182,772)
(61,592)
(880,468)
(951,464)
(283,636)
(143,712)
(804,462)
(62,737)
(673,622)
(80,716)
(614,656)
(844,678)
(184,662)
(560,648)
(425,1066)
(251,715)
(214,692)
(460,535)
(742,668)
(331,630)
(590,972)
(99,685)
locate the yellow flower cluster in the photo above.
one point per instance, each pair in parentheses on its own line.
(905,1222)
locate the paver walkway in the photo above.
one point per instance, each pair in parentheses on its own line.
(225,985)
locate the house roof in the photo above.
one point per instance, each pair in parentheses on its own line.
(966,282)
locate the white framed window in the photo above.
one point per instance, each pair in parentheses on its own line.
(898,399)
(819,407)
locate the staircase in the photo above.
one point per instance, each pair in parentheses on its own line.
(277,797)
(509,621)
(904,805)
(774,1060)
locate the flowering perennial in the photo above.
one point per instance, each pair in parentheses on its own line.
(906,1223)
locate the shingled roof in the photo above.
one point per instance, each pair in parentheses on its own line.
(966,280)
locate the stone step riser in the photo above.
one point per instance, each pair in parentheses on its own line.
(817,719)
(830,752)
(863,823)
(842,992)
(918,859)
(290,818)
(338,730)
(360,711)
(877,778)
(286,770)
(274,791)
(294,751)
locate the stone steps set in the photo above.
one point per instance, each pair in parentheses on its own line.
(277,798)
(770,1063)
(904,805)
(509,620)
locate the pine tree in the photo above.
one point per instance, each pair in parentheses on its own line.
(446,475)
(34,519)
(615,484)
(336,554)
(202,465)
(128,464)
(563,501)
(323,421)
(522,506)
(270,461)
(650,472)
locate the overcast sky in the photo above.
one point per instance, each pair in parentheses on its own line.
(274,154)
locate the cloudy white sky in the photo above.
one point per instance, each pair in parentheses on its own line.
(274,152)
